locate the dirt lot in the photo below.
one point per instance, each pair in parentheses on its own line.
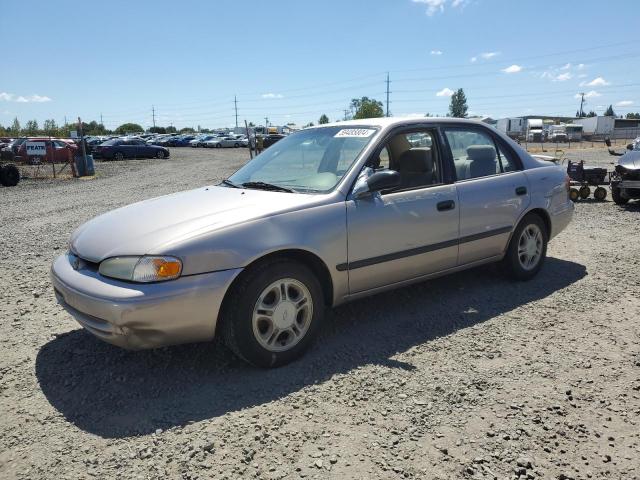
(469,376)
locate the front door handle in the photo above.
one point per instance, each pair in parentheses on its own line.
(521,190)
(446,205)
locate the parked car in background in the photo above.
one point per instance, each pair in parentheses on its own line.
(201,140)
(271,139)
(119,149)
(224,142)
(57,150)
(180,141)
(258,258)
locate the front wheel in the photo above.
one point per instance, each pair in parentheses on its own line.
(617,196)
(273,313)
(160,154)
(218,145)
(118,156)
(527,248)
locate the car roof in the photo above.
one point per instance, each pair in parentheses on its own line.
(392,121)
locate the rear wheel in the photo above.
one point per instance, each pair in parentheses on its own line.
(527,248)
(118,156)
(600,193)
(9,175)
(236,145)
(273,313)
(617,197)
(218,145)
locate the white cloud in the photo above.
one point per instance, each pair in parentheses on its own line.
(566,67)
(624,103)
(596,82)
(436,52)
(484,56)
(445,92)
(438,6)
(272,95)
(512,69)
(589,94)
(563,77)
(10,97)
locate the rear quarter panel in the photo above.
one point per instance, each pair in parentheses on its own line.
(549,193)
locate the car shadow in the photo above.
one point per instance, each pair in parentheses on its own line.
(115,393)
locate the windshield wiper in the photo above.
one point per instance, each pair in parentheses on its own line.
(267,186)
(229,183)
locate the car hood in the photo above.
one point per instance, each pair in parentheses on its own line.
(150,226)
(630,160)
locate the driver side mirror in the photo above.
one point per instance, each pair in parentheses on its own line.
(382,180)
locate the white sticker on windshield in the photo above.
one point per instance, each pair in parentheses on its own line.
(355,132)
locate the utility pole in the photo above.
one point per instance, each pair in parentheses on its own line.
(101,122)
(387,95)
(266,122)
(65,119)
(235,103)
(346,112)
(153,114)
(581,104)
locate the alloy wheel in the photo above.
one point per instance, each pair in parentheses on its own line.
(282,315)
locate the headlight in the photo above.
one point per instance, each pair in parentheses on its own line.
(141,269)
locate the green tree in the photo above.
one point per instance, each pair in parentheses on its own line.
(323,119)
(129,128)
(251,124)
(31,127)
(50,127)
(15,127)
(158,130)
(458,107)
(633,116)
(609,112)
(187,130)
(171,129)
(592,114)
(366,107)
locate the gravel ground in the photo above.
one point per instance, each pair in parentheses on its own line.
(468,376)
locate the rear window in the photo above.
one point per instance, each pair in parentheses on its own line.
(112,142)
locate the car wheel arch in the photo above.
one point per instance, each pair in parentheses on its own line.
(305,257)
(540,212)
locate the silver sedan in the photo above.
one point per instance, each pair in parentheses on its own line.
(324,216)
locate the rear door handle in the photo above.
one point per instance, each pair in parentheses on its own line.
(446,205)
(521,190)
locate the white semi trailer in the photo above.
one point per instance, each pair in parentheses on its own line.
(514,127)
(535,130)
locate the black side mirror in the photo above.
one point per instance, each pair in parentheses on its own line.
(607,141)
(630,146)
(383,180)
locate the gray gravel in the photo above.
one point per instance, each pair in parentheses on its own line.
(469,376)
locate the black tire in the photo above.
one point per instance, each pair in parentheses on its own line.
(585,192)
(617,198)
(600,193)
(9,175)
(236,145)
(218,145)
(574,194)
(237,316)
(119,156)
(160,154)
(512,260)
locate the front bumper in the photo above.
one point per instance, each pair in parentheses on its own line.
(138,316)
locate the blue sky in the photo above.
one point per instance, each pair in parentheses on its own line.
(293,60)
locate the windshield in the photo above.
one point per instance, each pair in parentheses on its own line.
(310,161)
